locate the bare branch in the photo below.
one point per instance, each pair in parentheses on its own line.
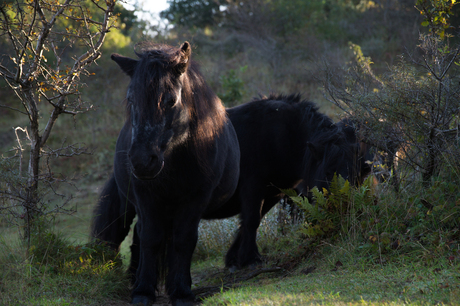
(31,32)
(451,132)
(13,109)
(450,63)
(4,72)
(83,19)
(67,150)
(85,59)
(44,34)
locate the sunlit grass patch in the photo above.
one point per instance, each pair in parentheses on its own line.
(53,271)
(374,285)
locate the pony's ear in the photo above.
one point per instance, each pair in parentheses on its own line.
(349,129)
(186,51)
(128,65)
(315,151)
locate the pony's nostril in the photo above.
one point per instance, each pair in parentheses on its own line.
(153,159)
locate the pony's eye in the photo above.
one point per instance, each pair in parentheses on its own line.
(169,102)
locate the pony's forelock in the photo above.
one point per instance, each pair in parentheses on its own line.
(158,67)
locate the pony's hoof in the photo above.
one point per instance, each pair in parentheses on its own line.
(232,269)
(141,301)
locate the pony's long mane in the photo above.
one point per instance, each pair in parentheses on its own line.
(157,68)
(309,113)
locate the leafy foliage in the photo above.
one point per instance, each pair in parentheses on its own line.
(332,212)
(381,223)
(193,13)
(411,112)
(233,87)
(436,14)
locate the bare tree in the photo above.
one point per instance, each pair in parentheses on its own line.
(39,67)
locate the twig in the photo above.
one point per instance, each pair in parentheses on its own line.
(210,290)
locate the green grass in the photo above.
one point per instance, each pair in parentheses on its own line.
(324,280)
(340,272)
(54,271)
(347,269)
(62,290)
(66,270)
(395,284)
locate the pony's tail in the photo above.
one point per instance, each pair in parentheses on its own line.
(112,217)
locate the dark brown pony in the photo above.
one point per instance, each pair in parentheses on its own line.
(177,157)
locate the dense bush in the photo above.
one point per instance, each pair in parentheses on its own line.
(380,223)
(335,211)
(411,111)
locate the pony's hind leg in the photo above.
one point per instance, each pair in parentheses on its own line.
(231,258)
(243,251)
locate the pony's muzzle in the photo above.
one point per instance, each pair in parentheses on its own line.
(146,166)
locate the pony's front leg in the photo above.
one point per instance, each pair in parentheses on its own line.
(151,248)
(135,249)
(180,251)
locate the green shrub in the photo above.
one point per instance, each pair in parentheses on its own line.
(334,211)
(412,110)
(380,222)
(233,87)
(50,253)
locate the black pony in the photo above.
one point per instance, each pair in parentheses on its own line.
(284,140)
(177,157)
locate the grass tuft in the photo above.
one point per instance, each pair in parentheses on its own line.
(53,271)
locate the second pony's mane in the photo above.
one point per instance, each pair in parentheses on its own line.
(322,132)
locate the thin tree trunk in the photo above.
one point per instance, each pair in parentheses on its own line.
(430,164)
(30,206)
